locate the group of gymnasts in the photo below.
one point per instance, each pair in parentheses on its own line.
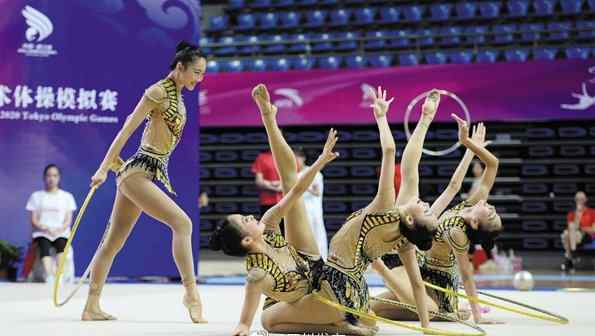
(406,240)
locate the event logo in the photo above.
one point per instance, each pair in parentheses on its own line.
(39,28)
(291,98)
(585,100)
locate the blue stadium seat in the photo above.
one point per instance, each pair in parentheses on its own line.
(204,44)
(228,47)
(381,61)
(586,29)
(218,22)
(315,18)
(437,57)
(290,19)
(451,35)
(276,46)
(571,6)
(516,55)
(399,38)
(356,61)
(503,33)
(531,31)
(329,62)
(268,20)
(518,8)
(466,10)
(301,62)
(559,30)
(425,36)
(306,2)
(460,57)
(487,56)
(349,40)
(236,4)
(232,65)
(246,21)
(251,45)
(365,15)
(329,2)
(322,42)
(389,14)
(260,3)
(212,66)
(408,59)
(577,53)
(413,13)
(489,9)
(379,42)
(592,5)
(340,16)
(544,53)
(476,34)
(257,64)
(278,64)
(299,44)
(544,7)
(440,12)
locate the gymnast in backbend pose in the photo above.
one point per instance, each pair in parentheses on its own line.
(472,221)
(367,234)
(277,266)
(163,108)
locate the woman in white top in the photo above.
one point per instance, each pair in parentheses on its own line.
(51,215)
(313,202)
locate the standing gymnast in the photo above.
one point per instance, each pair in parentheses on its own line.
(277,266)
(472,221)
(163,108)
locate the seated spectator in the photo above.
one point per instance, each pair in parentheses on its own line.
(580,229)
(51,216)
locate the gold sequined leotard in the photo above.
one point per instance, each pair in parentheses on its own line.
(288,268)
(363,238)
(439,265)
(162,133)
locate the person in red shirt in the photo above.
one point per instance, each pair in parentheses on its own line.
(267,180)
(580,230)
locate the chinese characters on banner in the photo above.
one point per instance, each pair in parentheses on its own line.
(47,103)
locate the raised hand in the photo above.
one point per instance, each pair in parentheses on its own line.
(380,104)
(463,129)
(478,135)
(261,96)
(327,154)
(431,103)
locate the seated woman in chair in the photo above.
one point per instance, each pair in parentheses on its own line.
(51,215)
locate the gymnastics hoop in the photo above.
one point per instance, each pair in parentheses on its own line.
(369,316)
(62,260)
(545,315)
(423,95)
(413,309)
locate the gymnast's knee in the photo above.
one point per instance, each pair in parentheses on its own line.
(267,322)
(182,225)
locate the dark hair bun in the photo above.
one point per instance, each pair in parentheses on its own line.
(215,242)
(183,45)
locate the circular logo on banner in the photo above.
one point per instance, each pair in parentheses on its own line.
(420,97)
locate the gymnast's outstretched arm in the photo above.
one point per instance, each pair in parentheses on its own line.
(143,108)
(275,214)
(385,196)
(489,175)
(412,154)
(456,181)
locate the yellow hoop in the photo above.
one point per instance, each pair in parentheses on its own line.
(62,261)
(392,322)
(545,315)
